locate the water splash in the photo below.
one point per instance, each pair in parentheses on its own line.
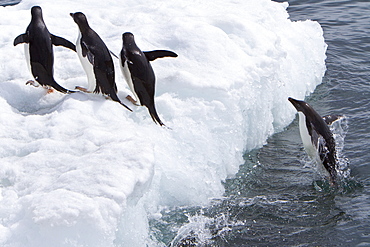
(344,186)
(201,230)
(345,183)
(339,129)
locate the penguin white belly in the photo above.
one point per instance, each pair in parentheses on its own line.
(88,67)
(27,55)
(127,74)
(306,138)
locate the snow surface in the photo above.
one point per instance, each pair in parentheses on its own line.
(79,170)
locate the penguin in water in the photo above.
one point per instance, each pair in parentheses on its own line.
(139,74)
(317,138)
(96,60)
(39,51)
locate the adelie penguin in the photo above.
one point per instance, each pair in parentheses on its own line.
(96,60)
(39,51)
(139,74)
(317,138)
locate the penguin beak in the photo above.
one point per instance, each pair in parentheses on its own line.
(295,103)
(71,14)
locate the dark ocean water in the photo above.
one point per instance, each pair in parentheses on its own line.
(273,200)
(9,2)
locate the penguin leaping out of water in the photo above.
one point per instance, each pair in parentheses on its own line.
(96,60)
(139,74)
(39,51)
(317,138)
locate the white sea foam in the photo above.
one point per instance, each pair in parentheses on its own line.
(79,170)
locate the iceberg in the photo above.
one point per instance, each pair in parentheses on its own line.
(80,170)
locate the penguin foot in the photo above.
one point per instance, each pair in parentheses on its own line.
(48,89)
(132,100)
(33,83)
(82,89)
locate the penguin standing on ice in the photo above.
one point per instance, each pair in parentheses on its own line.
(139,74)
(96,60)
(316,136)
(39,51)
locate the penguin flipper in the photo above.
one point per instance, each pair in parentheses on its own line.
(316,139)
(22,38)
(153,55)
(329,119)
(114,55)
(328,161)
(59,41)
(88,53)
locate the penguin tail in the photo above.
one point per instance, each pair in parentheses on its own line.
(61,89)
(153,113)
(128,108)
(45,78)
(114,97)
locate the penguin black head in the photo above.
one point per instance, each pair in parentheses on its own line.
(36,12)
(299,104)
(80,19)
(308,111)
(128,38)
